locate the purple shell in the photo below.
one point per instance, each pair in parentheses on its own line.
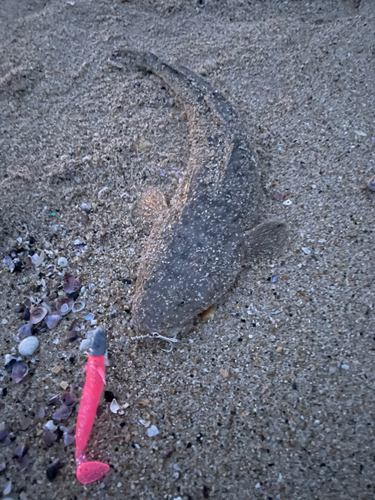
(49,437)
(53,400)
(64,306)
(62,413)
(371,184)
(37,314)
(19,371)
(68,439)
(23,462)
(71,284)
(52,320)
(52,470)
(67,399)
(26,330)
(21,450)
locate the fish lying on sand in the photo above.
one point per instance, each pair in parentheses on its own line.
(200,242)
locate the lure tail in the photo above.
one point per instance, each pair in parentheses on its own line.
(87,472)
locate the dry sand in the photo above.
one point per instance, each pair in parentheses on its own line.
(274,397)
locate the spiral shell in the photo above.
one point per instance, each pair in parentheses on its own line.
(28,346)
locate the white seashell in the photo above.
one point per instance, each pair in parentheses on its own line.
(78,306)
(28,346)
(37,259)
(8,358)
(114,407)
(152,431)
(85,344)
(62,262)
(50,426)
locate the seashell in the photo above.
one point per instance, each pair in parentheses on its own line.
(89,317)
(21,450)
(25,423)
(62,413)
(41,413)
(37,259)
(26,330)
(8,261)
(23,462)
(52,470)
(78,306)
(371,184)
(46,305)
(50,426)
(152,431)
(37,314)
(9,366)
(114,406)
(8,358)
(68,439)
(28,346)
(20,309)
(53,400)
(26,314)
(52,320)
(85,344)
(67,399)
(62,262)
(71,284)
(49,437)
(19,370)
(64,306)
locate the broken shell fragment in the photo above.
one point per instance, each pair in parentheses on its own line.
(78,306)
(49,437)
(50,426)
(26,330)
(37,259)
(52,470)
(28,346)
(67,399)
(71,284)
(21,450)
(19,371)
(68,439)
(52,320)
(23,462)
(62,413)
(64,306)
(371,184)
(114,406)
(37,314)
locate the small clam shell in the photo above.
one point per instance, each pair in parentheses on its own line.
(64,306)
(19,370)
(26,330)
(47,306)
(78,306)
(28,346)
(37,314)
(52,320)
(71,284)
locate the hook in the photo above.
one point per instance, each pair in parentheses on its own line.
(157,335)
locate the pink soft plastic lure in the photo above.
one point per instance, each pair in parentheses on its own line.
(87,472)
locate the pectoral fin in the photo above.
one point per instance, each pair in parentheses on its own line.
(265,241)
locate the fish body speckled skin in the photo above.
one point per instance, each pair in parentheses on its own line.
(198,244)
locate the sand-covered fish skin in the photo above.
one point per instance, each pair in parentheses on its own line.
(197,246)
